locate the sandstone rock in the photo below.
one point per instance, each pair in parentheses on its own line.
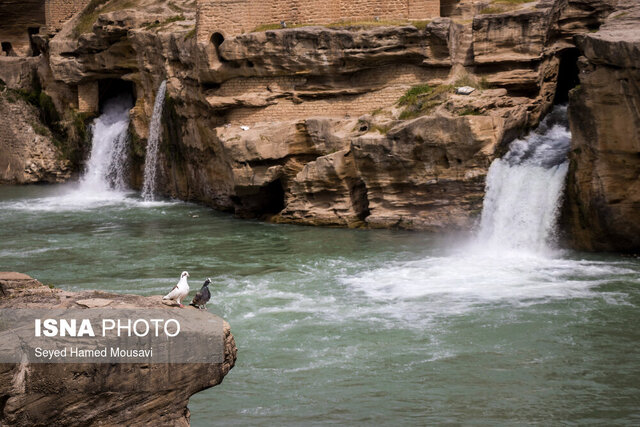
(603,192)
(27,152)
(325,144)
(43,394)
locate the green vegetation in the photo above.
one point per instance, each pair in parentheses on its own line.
(469,80)
(469,111)
(191,34)
(365,24)
(420,25)
(39,129)
(490,10)
(174,18)
(511,1)
(411,96)
(421,99)
(90,14)
(381,129)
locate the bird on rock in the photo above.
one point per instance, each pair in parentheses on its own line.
(180,290)
(202,296)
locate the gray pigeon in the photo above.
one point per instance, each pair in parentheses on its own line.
(202,296)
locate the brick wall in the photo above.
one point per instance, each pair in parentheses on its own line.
(88,97)
(233,17)
(58,12)
(382,87)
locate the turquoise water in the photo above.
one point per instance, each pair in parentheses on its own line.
(357,326)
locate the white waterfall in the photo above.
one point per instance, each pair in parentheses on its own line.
(155,132)
(106,167)
(524,189)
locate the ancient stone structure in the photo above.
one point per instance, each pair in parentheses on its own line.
(20,19)
(57,12)
(233,17)
(88,97)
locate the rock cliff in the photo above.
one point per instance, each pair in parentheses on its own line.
(44,394)
(328,141)
(28,152)
(603,190)
(346,124)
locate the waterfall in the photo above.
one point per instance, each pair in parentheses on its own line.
(524,189)
(106,167)
(155,132)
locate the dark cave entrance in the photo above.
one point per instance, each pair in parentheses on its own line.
(35,48)
(268,200)
(7,48)
(115,88)
(216,40)
(568,75)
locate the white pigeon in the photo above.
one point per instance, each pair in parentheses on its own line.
(180,290)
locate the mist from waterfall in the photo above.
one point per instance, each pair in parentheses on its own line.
(155,132)
(106,169)
(524,189)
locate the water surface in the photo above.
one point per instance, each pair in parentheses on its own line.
(356,326)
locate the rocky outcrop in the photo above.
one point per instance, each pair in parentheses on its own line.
(44,394)
(603,190)
(27,150)
(306,125)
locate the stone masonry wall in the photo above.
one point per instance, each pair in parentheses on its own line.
(233,17)
(88,97)
(381,87)
(58,12)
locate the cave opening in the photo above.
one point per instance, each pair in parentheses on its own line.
(568,75)
(7,49)
(216,40)
(267,200)
(272,197)
(35,48)
(115,88)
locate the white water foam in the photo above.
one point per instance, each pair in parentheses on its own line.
(524,190)
(104,181)
(512,259)
(106,167)
(155,132)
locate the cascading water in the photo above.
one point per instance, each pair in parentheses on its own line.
(106,167)
(524,189)
(508,259)
(155,132)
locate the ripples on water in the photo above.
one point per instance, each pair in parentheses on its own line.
(354,326)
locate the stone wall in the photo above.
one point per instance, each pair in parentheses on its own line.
(16,18)
(88,97)
(60,11)
(233,17)
(376,89)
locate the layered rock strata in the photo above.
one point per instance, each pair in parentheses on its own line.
(603,190)
(45,394)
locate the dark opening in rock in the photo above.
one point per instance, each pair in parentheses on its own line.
(359,198)
(7,49)
(217,39)
(35,48)
(112,88)
(567,75)
(268,200)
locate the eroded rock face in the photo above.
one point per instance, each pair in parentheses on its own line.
(98,394)
(603,191)
(27,152)
(302,125)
